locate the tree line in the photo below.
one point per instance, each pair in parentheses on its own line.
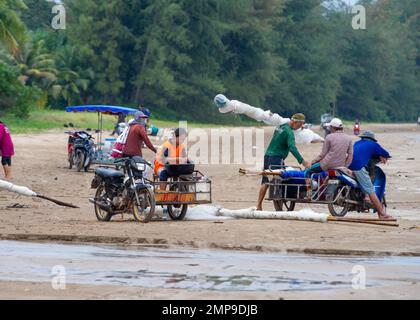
(174,56)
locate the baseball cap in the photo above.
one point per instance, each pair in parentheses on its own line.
(336,123)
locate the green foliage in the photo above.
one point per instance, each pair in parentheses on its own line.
(175,55)
(14,96)
(11,27)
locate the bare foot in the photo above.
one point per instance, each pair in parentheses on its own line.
(259,209)
(384,216)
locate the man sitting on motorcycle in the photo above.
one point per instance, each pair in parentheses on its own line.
(337,152)
(172,151)
(364,150)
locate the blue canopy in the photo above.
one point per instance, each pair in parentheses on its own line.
(112,110)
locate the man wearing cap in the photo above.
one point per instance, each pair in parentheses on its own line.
(282,143)
(364,150)
(137,136)
(337,150)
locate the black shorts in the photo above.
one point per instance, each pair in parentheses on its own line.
(271,161)
(6,161)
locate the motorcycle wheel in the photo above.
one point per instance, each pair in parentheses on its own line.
(80,160)
(280,205)
(335,209)
(101,215)
(144,211)
(178,211)
(71,163)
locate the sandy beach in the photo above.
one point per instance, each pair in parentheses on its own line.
(41,164)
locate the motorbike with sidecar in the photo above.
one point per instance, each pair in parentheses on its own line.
(187,186)
(337,188)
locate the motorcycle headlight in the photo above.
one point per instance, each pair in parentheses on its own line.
(140,166)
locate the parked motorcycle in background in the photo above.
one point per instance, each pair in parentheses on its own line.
(128,191)
(356,128)
(80,149)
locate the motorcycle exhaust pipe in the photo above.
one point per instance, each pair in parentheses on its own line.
(101,205)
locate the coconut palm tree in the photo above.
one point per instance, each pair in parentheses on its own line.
(12,30)
(35,65)
(70,84)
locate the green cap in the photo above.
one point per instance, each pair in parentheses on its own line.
(300,117)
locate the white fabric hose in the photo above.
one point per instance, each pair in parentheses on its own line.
(303,136)
(24,191)
(251,213)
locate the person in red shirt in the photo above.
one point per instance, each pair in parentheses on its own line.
(137,136)
(6,150)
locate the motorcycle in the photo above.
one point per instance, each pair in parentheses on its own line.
(356,129)
(80,149)
(118,192)
(344,193)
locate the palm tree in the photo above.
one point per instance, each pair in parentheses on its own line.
(12,30)
(35,65)
(70,85)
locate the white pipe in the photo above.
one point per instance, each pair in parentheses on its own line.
(24,191)
(303,136)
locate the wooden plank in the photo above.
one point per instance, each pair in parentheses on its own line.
(379,223)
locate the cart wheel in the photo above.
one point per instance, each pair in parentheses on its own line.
(279,205)
(178,212)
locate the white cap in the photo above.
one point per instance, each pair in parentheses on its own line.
(336,123)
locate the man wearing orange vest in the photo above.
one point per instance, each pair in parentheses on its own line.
(172,151)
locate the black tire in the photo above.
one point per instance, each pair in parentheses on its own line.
(144,211)
(101,215)
(178,212)
(279,205)
(80,160)
(71,163)
(334,208)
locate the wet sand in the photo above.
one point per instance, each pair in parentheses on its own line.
(195,273)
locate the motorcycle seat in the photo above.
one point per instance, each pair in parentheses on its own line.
(108,173)
(346,171)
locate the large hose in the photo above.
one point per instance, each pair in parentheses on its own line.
(302,136)
(24,191)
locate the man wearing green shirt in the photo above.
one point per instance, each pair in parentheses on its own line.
(282,143)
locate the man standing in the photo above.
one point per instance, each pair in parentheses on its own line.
(6,150)
(282,143)
(137,136)
(337,150)
(364,150)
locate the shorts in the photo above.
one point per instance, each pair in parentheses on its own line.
(363,178)
(271,161)
(316,168)
(6,161)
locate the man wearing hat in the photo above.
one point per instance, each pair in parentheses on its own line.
(137,136)
(282,143)
(364,150)
(337,150)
